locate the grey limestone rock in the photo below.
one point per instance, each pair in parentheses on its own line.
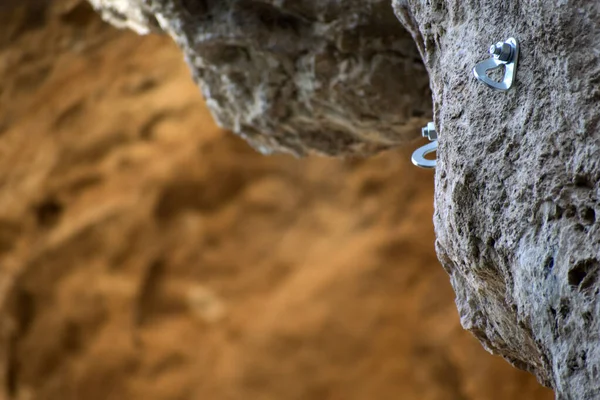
(132,14)
(518,180)
(331,77)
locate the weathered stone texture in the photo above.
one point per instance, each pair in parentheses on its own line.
(132,14)
(332,77)
(517,182)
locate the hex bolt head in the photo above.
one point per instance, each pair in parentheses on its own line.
(429,131)
(502,51)
(495,49)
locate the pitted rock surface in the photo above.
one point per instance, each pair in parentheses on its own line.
(331,77)
(517,181)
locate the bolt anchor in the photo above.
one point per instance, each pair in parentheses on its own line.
(503,54)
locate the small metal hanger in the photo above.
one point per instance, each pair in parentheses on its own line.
(503,54)
(418,157)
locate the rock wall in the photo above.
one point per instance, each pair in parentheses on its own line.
(330,77)
(147,254)
(517,183)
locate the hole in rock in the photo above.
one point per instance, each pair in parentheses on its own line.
(549,264)
(588,215)
(584,274)
(583,181)
(496,74)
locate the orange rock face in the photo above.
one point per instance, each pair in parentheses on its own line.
(146,254)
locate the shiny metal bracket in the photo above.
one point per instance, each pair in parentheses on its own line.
(503,54)
(418,157)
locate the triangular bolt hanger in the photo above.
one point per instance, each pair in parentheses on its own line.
(503,54)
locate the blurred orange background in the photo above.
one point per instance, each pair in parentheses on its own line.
(147,254)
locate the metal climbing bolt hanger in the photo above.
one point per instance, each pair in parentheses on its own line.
(503,54)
